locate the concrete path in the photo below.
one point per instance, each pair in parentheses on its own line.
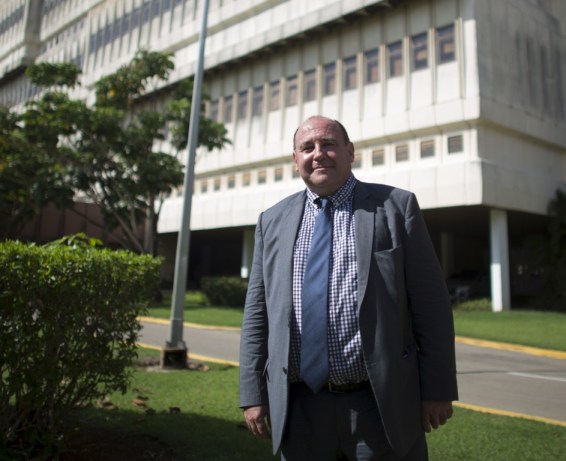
(525,382)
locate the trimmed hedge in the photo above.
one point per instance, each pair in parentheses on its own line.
(225,291)
(68,321)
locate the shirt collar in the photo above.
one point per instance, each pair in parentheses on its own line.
(339,197)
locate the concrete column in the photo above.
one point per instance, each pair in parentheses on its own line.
(247,253)
(500,279)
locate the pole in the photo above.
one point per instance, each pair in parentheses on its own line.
(174,354)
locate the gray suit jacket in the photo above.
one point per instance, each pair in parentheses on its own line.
(404,311)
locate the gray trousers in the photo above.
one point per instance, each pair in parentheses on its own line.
(339,427)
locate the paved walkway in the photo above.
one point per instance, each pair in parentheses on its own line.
(492,377)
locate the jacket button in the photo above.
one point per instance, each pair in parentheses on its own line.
(284,370)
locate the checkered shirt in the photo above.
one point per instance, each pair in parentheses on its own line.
(344,341)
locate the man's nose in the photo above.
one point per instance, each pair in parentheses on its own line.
(319,151)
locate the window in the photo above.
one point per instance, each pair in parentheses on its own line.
(257,101)
(214,110)
(262,177)
(401,153)
(350,73)
(309,89)
(146,11)
(395,58)
(378,157)
(246,178)
(455,144)
(446,44)
(419,47)
(279,173)
(228,108)
(329,79)
(274,95)
(231,181)
(116,30)
(125,23)
(107,34)
(216,184)
(242,104)
(204,186)
(372,66)
(155,11)
(427,148)
(291,95)
(136,17)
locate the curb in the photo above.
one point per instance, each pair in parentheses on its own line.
(187,324)
(549,353)
(510,414)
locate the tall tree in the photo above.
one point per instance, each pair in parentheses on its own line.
(108,150)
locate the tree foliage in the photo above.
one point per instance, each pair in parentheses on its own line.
(31,174)
(547,255)
(106,151)
(52,74)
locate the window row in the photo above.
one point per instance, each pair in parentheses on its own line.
(50,5)
(427,149)
(215,184)
(285,92)
(14,18)
(454,145)
(69,36)
(129,21)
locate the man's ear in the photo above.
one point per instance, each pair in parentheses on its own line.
(295,161)
(351,152)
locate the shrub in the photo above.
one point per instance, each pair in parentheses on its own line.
(474,305)
(68,320)
(225,291)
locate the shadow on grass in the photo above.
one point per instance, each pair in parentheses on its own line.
(123,435)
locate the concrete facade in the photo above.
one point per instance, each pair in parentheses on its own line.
(460,101)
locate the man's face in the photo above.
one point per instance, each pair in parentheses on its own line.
(322,156)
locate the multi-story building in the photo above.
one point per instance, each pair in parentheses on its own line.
(460,101)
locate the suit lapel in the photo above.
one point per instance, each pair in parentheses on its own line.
(290,222)
(364,215)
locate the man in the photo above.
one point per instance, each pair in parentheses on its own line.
(385,371)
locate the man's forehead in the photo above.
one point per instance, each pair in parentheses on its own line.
(322,130)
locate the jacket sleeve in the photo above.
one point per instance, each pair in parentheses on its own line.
(254,335)
(430,309)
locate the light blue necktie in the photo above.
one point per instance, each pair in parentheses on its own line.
(314,299)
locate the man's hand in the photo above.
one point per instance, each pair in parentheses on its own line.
(257,419)
(435,413)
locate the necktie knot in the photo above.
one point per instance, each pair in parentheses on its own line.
(324,203)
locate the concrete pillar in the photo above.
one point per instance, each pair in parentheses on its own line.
(247,253)
(500,278)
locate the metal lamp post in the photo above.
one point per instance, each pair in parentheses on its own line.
(174,353)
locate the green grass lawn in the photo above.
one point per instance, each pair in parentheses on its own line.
(196,311)
(528,328)
(209,424)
